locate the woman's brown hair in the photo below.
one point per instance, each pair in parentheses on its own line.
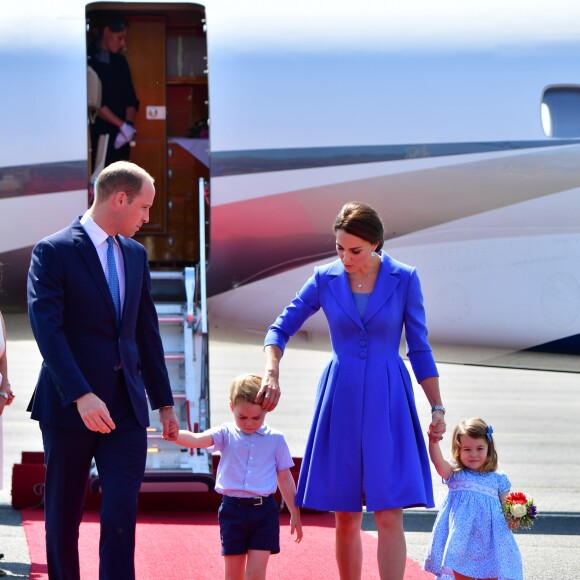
(362,221)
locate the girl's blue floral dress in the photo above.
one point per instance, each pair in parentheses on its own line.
(470,534)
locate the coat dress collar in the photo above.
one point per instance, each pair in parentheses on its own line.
(385,284)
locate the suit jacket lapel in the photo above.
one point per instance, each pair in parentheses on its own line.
(89,254)
(340,288)
(385,284)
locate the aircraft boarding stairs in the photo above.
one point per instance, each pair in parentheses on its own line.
(171,468)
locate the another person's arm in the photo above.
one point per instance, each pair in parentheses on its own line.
(269,394)
(420,353)
(286,325)
(46,313)
(194,440)
(288,490)
(107,115)
(442,467)
(438,426)
(4,383)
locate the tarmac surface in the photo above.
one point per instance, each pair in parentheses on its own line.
(534,414)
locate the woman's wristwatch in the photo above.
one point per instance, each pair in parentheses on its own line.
(5,395)
(438,408)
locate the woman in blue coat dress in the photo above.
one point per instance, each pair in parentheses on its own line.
(366,441)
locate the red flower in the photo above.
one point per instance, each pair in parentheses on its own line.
(516,497)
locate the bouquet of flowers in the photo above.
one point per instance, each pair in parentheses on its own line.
(519,511)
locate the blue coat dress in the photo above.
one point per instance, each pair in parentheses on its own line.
(365,436)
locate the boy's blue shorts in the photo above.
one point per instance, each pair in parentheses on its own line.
(249,524)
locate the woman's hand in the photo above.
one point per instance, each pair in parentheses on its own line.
(437,426)
(6,394)
(269,393)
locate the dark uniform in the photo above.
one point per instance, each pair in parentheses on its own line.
(118,93)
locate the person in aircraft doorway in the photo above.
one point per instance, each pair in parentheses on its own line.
(119,103)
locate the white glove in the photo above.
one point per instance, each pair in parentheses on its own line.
(125,135)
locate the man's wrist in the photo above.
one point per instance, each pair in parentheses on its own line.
(166,407)
(437,408)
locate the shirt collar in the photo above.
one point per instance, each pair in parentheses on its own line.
(263,430)
(95,232)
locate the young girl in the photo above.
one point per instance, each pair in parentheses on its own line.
(471,539)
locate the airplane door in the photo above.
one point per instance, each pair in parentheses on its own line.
(166,50)
(146,57)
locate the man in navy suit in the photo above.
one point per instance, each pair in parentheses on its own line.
(93,318)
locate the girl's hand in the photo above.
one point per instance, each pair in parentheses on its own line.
(512,525)
(434,438)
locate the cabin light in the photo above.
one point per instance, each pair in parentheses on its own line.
(152,449)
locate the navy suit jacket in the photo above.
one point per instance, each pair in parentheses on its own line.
(80,339)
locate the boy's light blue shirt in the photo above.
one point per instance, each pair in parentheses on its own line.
(249,463)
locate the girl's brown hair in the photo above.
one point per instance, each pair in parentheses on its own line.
(475,428)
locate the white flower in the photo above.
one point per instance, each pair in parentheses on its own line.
(519,510)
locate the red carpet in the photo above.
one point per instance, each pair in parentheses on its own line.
(186,546)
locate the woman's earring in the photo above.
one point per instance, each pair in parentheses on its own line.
(373,253)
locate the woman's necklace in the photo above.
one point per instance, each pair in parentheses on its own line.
(362,283)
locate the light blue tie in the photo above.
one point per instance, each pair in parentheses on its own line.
(113,277)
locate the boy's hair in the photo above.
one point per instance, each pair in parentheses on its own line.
(475,428)
(245,388)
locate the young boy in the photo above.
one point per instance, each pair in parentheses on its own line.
(253,457)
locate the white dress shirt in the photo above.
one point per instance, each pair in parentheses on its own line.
(99,238)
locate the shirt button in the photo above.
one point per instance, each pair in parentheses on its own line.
(363,354)
(362,343)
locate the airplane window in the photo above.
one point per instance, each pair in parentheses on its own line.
(560,111)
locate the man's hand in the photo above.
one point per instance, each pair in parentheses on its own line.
(94,413)
(169,423)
